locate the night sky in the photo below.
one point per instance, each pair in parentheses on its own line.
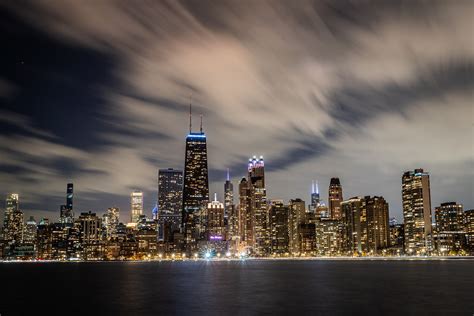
(97,93)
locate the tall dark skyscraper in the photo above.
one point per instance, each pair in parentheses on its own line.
(170,199)
(67,213)
(196,183)
(315,199)
(335,198)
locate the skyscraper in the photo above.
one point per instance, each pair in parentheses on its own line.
(297,217)
(365,223)
(335,198)
(228,195)
(232,215)
(258,206)
(170,199)
(215,220)
(246,225)
(29,235)
(136,206)
(111,219)
(196,183)
(67,214)
(416,198)
(315,199)
(13,220)
(278,227)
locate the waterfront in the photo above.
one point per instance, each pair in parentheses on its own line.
(325,287)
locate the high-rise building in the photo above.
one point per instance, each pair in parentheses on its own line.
(278,218)
(90,234)
(196,184)
(335,198)
(29,235)
(416,198)
(228,195)
(450,236)
(469,229)
(215,220)
(170,200)
(110,222)
(365,225)
(67,213)
(258,206)
(315,199)
(136,206)
(245,216)
(297,217)
(231,212)
(328,237)
(13,220)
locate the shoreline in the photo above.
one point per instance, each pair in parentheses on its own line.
(464,258)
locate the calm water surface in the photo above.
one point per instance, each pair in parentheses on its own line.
(249,287)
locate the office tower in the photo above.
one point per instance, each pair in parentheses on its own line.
(297,217)
(366,225)
(196,184)
(228,195)
(67,213)
(90,234)
(417,212)
(111,219)
(215,220)
(450,236)
(231,212)
(335,198)
(315,199)
(258,206)
(279,236)
(13,220)
(170,199)
(29,235)
(246,231)
(136,206)
(307,239)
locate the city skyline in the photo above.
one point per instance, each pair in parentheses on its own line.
(90,105)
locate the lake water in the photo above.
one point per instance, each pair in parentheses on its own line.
(251,287)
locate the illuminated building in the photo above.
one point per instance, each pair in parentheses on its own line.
(335,198)
(110,221)
(397,237)
(196,184)
(307,238)
(279,236)
(67,213)
(450,235)
(29,236)
(13,226)
(297,217)
(258,206)
(366,225)
(215,220)
(328,237)
(315,199)
(170,197)
(469,229)
(136,206)
(245,215)
(416,198)
(231,211)
(322,211)
(90,235)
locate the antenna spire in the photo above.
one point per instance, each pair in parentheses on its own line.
(312,186)
(317,188)
(228,175)
(215,197)
(201,124)
(190,117)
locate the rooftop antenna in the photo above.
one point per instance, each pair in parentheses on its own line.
(317,188)
(215,197)
(201,124)
(312,186)
(228,175)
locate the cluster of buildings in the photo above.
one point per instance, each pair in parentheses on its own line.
(186,223)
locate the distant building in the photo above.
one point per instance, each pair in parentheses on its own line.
(416,198)
(195,185)
(67,213)
(450,235)
(279,236)
(110,221)
(315,198)
(215,220)
(328,237)
(244,212)
(13,221)
(366,225)
(297,217)
(335,198)
(136,206)
(29,235)
(170,200)
(232,214)
(90,235)
(469,229)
